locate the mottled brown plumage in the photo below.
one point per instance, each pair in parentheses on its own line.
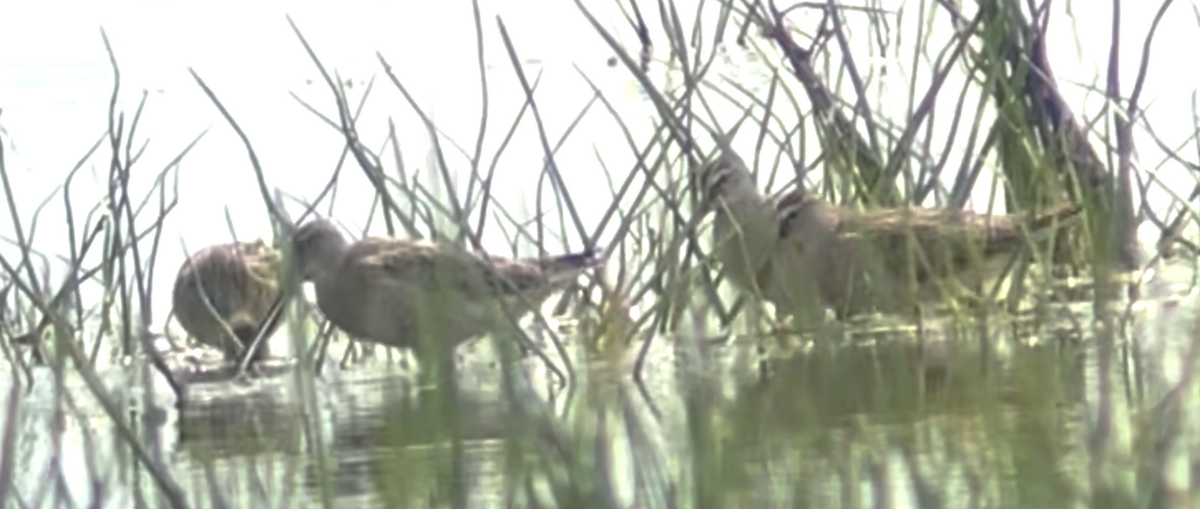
(223,294)
(885,260)
(745,224)
(394,291)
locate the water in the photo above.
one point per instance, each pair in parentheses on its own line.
(883,423)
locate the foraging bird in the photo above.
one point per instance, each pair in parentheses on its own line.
(398,292)
(885,259)
(855,262)
(224,294)
(745,229)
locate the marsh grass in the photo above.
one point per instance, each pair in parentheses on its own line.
(995,412)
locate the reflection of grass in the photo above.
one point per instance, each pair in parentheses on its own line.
(964,415)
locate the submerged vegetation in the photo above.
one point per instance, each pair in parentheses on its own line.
(671,377)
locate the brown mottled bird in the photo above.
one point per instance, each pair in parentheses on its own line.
(854,262)
(745,228)
(224,293)
(870,260)
(395,291)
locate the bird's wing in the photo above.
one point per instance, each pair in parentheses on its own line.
(432,267)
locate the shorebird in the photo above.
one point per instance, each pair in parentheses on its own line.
(418,294)
(745,224)
(887,259)
(884,260)
(224,294)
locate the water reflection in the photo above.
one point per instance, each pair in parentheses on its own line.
(1008,415)
(885,406)
(240,423)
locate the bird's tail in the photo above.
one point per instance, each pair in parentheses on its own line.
(569,266)
(586,259)
(1045,224)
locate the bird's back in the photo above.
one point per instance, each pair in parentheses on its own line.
(536,278)
(885,259)
(941,242)
(395,290)
(228,284)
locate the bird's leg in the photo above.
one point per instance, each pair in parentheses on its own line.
(347,353)
(920,312)
(321,346)
(368,351)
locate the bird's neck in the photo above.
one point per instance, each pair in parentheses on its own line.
(328,263)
